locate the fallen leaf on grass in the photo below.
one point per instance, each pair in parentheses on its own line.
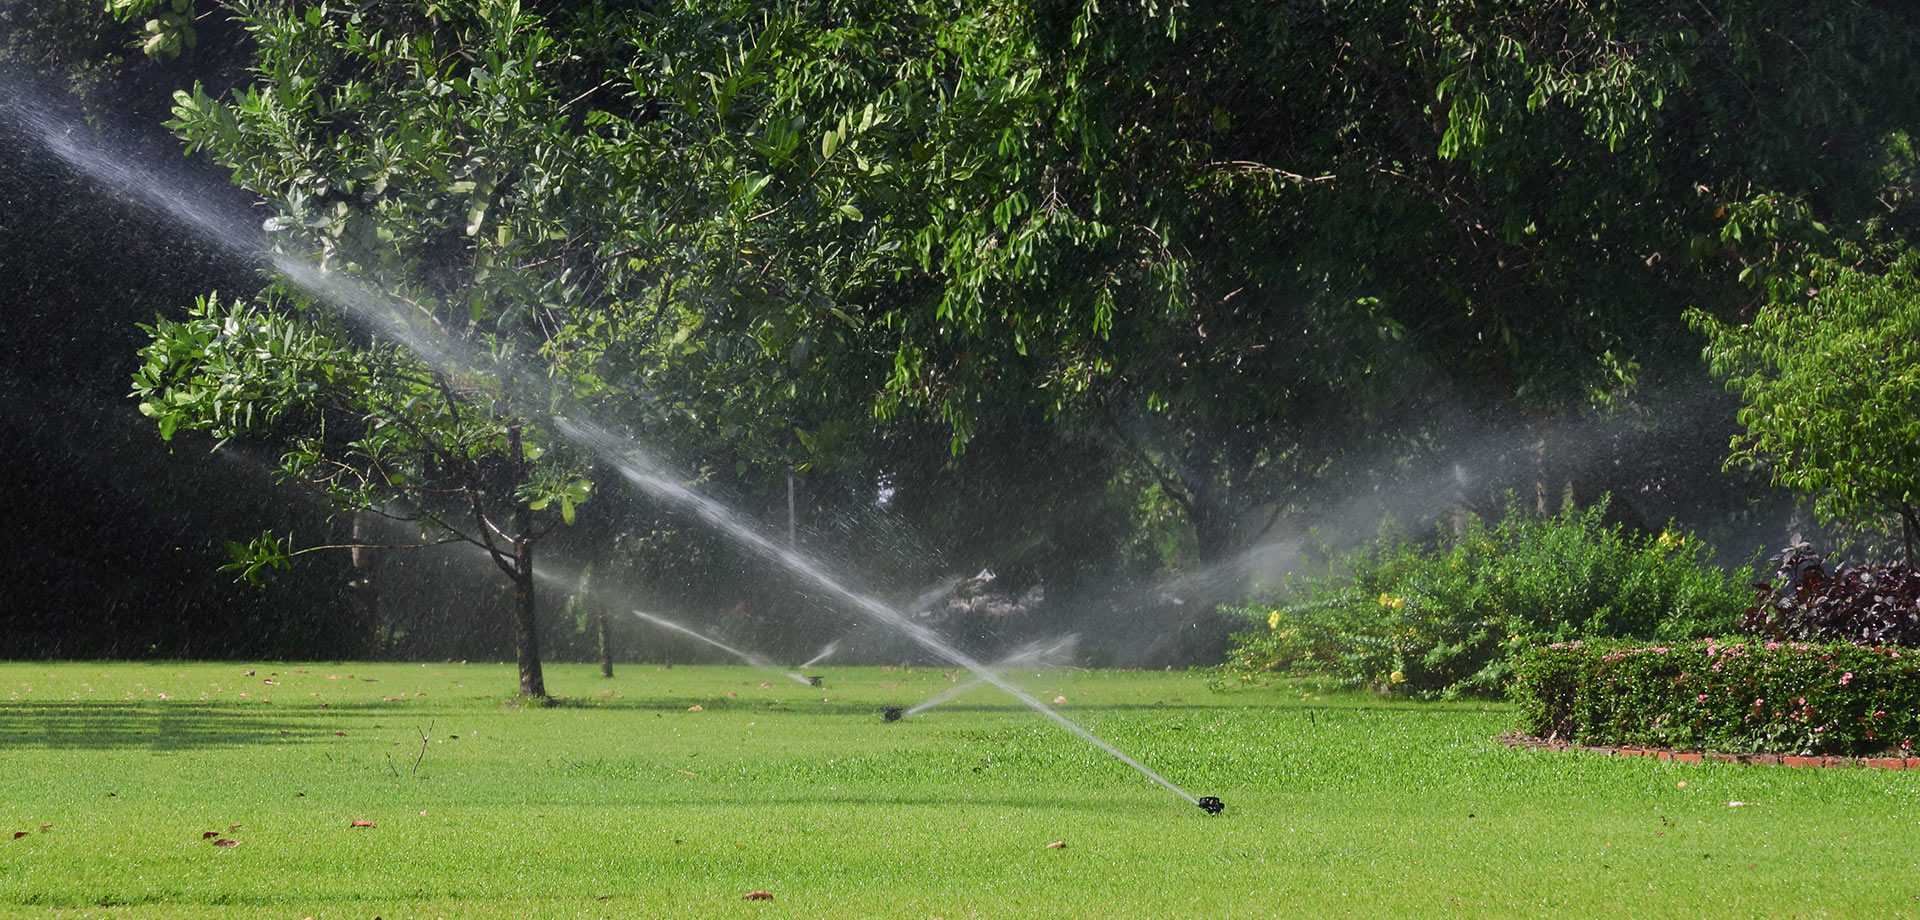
(232,827)
(361,822)
(696,708)
(1057,845)
(1738,804)
(765,686)
(226,843)
(339,734)
(209,835)
(19,834)
(687,772)
(45,828)
(757,896)
(1059,701)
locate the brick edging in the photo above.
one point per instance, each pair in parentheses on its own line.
(1515,739)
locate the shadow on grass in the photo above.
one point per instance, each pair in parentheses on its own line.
(159,726)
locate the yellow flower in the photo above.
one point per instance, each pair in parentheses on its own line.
(1396,603)
(1273,620)
(1396,678)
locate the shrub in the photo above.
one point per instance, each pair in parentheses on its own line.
(1736,696)
(1861,604)
(1445,618)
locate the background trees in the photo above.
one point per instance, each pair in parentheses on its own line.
(974,281)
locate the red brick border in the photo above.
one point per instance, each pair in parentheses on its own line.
(1512,739)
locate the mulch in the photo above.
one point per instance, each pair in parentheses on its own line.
(1515,739)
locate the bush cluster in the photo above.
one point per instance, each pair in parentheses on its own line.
(1736,696)
(1444,618)
(1872,604)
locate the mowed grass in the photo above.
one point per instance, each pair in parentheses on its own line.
(623,803)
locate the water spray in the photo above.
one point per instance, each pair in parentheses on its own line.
(386,316)
(748,657)
(832,647)
(1032,653)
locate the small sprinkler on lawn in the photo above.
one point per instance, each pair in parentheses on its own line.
(814,680)
(891,713)
(1211,804)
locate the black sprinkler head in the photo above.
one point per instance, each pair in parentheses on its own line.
(1211,804)
(813,681)
(891,713)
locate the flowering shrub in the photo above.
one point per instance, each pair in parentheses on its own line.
(1445,618)
(1737,696)
(1862,604)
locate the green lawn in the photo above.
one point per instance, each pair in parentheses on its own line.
(623,803)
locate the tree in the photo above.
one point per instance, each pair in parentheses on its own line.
(1829,370)
(1248,246)
(422,154)
(374,428)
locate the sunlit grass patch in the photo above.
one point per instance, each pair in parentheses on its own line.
(623,802)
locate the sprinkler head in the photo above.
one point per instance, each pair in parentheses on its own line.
(891,713)
(814,681)
(1211,804)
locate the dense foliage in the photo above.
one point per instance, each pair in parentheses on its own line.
(1868,604)
(1187,274)
(1446,617)
(1723,695)
(1829,370)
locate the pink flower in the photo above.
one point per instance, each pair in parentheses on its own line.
(1773,646)
(1660,649)
(1846,678)
(1701,698)
(1817,729)
(1758,700)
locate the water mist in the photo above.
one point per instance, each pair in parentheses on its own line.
(530,392)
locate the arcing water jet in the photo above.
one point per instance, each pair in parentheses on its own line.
(747,657)
(531,393)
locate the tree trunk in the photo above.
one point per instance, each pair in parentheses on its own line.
(363,586)
(1910,534)
(600,629)
(1213,526)
(526,634)
(526,622)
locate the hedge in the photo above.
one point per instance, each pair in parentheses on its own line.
(1732,695)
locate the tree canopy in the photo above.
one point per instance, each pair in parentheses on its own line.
(1225,260)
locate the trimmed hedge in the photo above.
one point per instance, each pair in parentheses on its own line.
(1736,696)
